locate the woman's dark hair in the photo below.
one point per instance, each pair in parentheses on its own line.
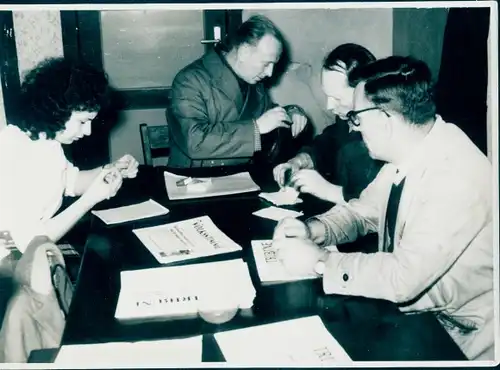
(352,55)
(53,90)
(400,84)
(252,30)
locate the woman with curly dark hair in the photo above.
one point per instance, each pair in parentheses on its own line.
(56,105)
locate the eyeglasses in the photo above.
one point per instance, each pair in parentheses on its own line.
(352,116)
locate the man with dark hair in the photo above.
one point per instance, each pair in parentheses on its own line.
(431,205)
(336,167)
(220,108)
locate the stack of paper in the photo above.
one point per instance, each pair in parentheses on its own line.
(138,354)
(303,341)
(217,186)
(137,211)
(285,196)
(269,268)
(183,290)
(184,240)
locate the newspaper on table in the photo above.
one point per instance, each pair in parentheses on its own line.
(304,341)
(269,268)
(209,187)
(184,240)
(137,211)
(132,354)
(184,290)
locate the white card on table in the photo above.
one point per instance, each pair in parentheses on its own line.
(276,213)
(137,211)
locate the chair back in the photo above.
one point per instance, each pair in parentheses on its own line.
(155,142)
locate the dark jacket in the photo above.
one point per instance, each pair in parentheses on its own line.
(205,116)
(343,159)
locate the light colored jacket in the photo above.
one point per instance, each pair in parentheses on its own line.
(443,254)
(34,319)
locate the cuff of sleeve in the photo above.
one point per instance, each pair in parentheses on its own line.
(258,144)
(337,278)
(328,238)
(71,179)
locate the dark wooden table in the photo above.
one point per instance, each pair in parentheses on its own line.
(369,330)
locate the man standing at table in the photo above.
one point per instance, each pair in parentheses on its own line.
(220,108)
(431,205)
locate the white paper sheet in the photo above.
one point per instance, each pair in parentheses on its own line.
(283,197)
(138,211)
(137,354)
(269,268)
(184,290)
(184,240)
(303,341)
(276,213)
(217,186)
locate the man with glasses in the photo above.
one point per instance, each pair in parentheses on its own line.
(431,205)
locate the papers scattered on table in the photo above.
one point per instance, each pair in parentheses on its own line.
(303,341)
(269,268)
(138,211)
(184,240)
(184,290)
(283,197)
(209,187)
(277,214)
(138,354)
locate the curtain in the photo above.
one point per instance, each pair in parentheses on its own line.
(461,89)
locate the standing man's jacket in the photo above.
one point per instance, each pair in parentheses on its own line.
(210,123)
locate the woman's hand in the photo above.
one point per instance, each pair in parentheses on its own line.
(105,185)
(127,165)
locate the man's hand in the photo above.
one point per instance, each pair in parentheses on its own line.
(299,256)
(311,182)
(283,169)
(127,165)
(291,228)
(272,119)
(299,122)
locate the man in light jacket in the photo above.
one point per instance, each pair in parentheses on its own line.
(431,205)
(220,107)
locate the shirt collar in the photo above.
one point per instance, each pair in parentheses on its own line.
(416,156)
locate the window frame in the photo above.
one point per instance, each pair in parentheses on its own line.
(9,66)
(81,36)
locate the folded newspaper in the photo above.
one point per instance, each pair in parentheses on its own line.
(184,240)
(184,290)
(269,268)
(304,341)
(208,187)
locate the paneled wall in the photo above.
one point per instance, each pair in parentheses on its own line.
(312,33)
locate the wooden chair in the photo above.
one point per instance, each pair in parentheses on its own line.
(155,142)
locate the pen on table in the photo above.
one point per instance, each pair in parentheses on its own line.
(185,181)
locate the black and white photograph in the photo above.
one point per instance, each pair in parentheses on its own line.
(358,140)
